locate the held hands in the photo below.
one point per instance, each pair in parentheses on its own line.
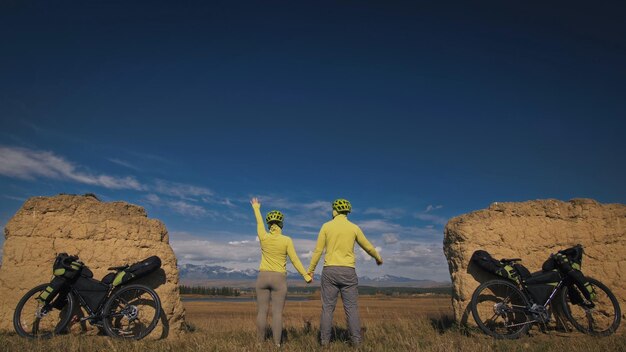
(308,276)
(255,202)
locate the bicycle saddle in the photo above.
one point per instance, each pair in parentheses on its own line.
(119,268)
(507,260)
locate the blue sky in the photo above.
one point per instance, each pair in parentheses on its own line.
(416,112)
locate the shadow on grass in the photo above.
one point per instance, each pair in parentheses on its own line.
(337,334)
(446,323)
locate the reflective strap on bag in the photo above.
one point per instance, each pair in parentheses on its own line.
(592,292)
(510,273)
(46,293)
(59,272)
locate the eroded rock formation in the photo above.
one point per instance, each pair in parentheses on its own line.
(532,231)
(101,234)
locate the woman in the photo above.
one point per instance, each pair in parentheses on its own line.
(272,279)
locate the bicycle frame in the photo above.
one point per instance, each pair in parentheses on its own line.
(552,294)
(545,305)
(84,304)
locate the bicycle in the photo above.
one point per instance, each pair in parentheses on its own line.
(123,311)
(508,309)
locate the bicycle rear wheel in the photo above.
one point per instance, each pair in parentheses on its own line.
(132,312)
(32,319)
(601,317)
(500,309)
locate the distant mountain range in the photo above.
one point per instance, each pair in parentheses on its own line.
(191,274)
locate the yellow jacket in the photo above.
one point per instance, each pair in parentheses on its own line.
(338,237)
(275,247)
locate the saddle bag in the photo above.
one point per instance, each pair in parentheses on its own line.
(135,271)
(485,261)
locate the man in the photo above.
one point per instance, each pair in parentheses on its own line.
(337,237)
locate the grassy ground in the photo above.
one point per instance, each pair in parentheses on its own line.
(398,324)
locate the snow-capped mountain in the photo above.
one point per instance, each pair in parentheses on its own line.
(201,273)
(386,278)
(215,272)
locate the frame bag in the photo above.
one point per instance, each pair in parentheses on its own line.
(92,291)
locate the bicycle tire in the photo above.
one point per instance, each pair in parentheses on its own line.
(520,306)
(22,319)
(574,314)
(113,319)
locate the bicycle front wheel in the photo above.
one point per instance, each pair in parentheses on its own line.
(600,317)
(500,309)
(33,319)
(132,312)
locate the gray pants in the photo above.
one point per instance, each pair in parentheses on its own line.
(270,284)
(335,280)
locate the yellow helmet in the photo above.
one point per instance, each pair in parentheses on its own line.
(342,205)
(275,216)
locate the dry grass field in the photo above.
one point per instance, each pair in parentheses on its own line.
(392,324)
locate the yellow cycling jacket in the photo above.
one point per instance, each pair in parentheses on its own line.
(275,247)
(338,237)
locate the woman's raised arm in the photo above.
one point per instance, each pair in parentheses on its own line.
(260,227)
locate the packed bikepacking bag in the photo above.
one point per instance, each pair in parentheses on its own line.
(569,262)
(58,285)
(541,284)
(134,271)
(93,292)
(67,266)
(485,261)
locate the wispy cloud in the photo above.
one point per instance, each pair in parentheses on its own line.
(431,207)
(181,190)
(152,157)
(392,213)
(123,163)
(428,216)
(19,199)
(390,238)
(435,219)
(377,227)
(30,164)
(180,206)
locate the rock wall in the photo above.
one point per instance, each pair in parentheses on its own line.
(101,234)
(532,231)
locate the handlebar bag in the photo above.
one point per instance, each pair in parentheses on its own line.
(67,266)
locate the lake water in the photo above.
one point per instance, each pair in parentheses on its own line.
(235,299)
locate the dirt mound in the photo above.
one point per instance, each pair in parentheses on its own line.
(101,234)
(532,231)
